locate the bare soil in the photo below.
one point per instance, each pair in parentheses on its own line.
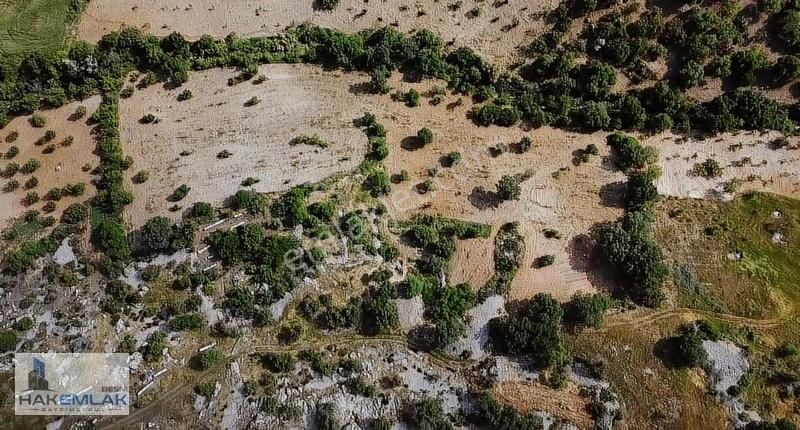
(65,165)
(294,100)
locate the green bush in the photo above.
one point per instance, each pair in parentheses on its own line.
(180,192)
(534,329)
(587,309)
(508,188)
(208,359)
(37,121)
(8,341)
(326,4)
(425,136)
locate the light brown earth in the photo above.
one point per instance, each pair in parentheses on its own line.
(564,404)
(65,165)
(295,100)
(489,33)
(747,156)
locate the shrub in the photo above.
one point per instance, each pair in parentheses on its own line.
(32,197)
(208,359)
(49,207)
(325,417)
(630,154)
(545,260)
(708,169)
(185,95)
(689,349)
(377,183)
(30,166)
(252,101)
(425,136)
(80,112)
(148,119)
(411,98)
(23,324)
(141,177)
(75,213)
(12,136)
(153,350)
(427,413)
(8,341)
(314,140)
(189,321)
(453,158)
(326,4)
(278,362)
(787,69)
(37,121)
(180,192)
(691,74)
(10,186)
(12,152)
(525,144)
(508,188)
(587,309)
(251,201)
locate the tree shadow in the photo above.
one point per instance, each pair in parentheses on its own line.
(666,351)
(483,199)
(361,88)
(585,257)
(612,195)
(411,143)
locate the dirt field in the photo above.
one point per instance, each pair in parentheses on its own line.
(65,165)
(492,32)
(295,100)
(746,156)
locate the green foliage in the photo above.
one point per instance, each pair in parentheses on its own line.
(8,341)
(545,260)
(208,359)
(628,247)
(326,4)
(745,65)
(689,349)
(325,417)
(377,182)
(509,249)
(325,314)
(425,136)
(110,237)
(691,74)
(278,362)
(587,309)
(508,188)
(786,69)
(157,234)
(291,208)
(188,321)
(708,169)
(427,414)
(447,309)
(153,349)
(75,213)
(534,329)
(251,201)
(630,154)
(496,415)
(379,312)
(180,192)
(314,140)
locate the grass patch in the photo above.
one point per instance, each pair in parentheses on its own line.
(35,25)
(743,253)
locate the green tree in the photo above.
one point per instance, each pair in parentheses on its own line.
(157,234)
(535,329)
(508,188)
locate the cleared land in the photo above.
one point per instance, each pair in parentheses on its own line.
(494,31)
(65,165)
(294,100)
